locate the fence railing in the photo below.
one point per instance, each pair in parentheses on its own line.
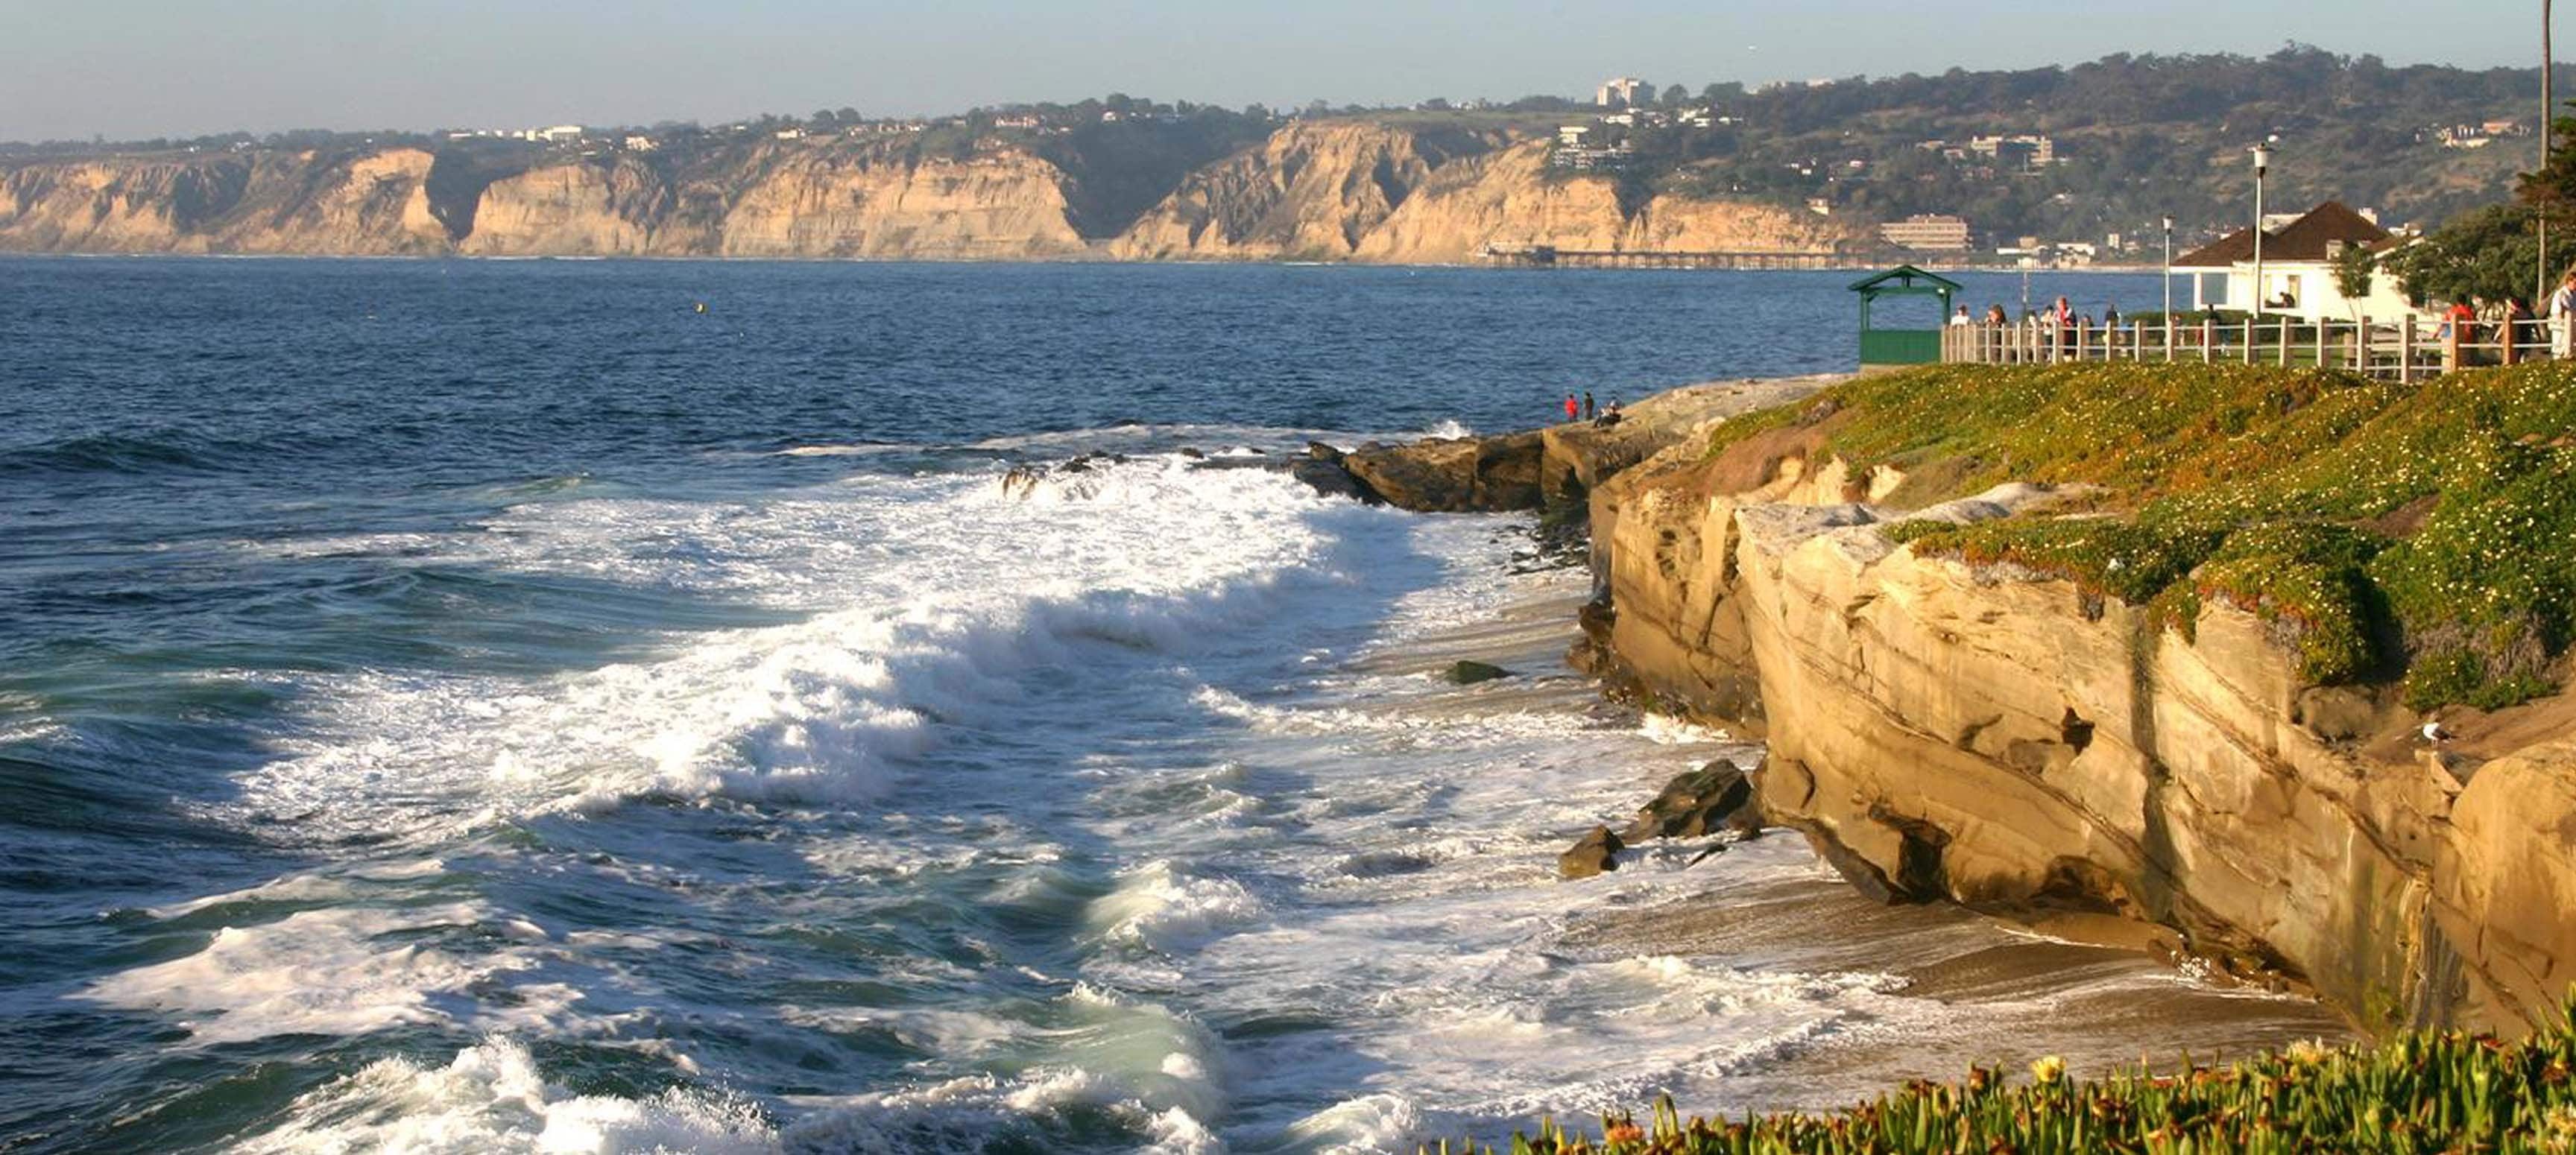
(2408,349)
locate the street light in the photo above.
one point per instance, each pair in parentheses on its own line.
(2168,274)
(2262,161)
(2541,217)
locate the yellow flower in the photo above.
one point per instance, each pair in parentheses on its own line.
(2047,1069)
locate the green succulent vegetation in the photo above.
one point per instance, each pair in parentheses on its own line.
(2415,1093)
(2424,532)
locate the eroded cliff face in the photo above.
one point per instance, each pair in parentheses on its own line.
(1001,206)
(1315,190)
(1509,198)
(2005,740)
(616,209)
(371,204)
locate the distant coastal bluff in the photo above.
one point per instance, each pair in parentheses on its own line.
(2220,701)
(1324,190)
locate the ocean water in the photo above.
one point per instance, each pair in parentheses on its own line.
(459,707)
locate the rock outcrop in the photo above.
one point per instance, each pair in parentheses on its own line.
(2007,740)
(1453,474)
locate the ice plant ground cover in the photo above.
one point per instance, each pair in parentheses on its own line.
(2419,1092)
(2422,532)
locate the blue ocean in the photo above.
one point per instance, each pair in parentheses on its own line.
(593,706)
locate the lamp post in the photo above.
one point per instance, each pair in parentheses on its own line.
(2541,218)
(2262,161)
(2168,274)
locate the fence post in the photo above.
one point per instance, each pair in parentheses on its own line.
(2169,349)
(2451,346)
(2083,334)
(2248,351)
(2284,354)
(2208,339)
(2321,342)
(2406,350)
(2506,327)
(2361,346)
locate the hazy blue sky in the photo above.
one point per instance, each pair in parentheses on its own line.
(138,68)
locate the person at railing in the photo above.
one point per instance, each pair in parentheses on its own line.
(2460,321)
(2562,316)
(1995,316)
(1961,319)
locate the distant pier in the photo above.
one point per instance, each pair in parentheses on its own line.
(1552,257)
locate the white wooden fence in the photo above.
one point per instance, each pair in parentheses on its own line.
(2407,350)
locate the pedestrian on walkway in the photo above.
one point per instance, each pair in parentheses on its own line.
(2562,317)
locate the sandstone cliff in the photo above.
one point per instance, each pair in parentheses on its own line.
(1509,198)
(1315,190)
(999,206)
(2004,738)
(371,204)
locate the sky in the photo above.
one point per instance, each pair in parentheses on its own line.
(135,69)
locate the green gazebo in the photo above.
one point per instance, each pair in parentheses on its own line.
(1902,346)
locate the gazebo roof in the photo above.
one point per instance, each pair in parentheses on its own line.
(1905,276)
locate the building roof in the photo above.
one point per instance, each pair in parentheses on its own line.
(2312,237)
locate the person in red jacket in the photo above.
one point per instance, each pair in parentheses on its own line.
(1572,409)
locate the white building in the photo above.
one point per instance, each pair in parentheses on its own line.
(1928,232)
(2298,269)
(1622,92)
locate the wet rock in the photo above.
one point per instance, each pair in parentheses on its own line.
(1193,453)
(1591,854)
(1469,672)
(1698,803)
(1331,480)
(1322,452)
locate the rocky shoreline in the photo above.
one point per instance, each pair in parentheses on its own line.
(2004,739)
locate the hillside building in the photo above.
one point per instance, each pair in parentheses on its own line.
(1927,232)
(1623,92)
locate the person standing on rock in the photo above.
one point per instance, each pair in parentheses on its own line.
(1571,408)
(1587,394)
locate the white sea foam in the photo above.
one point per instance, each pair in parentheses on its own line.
(492,1098)
(344,971)
(1158,906)
(831,709)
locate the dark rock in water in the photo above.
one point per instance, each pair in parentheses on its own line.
(1697,803)
(1022,481)
(1468,673)
(1380,863)
(1322,452)
(1193,454)
(1332,480)
(1591,854)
